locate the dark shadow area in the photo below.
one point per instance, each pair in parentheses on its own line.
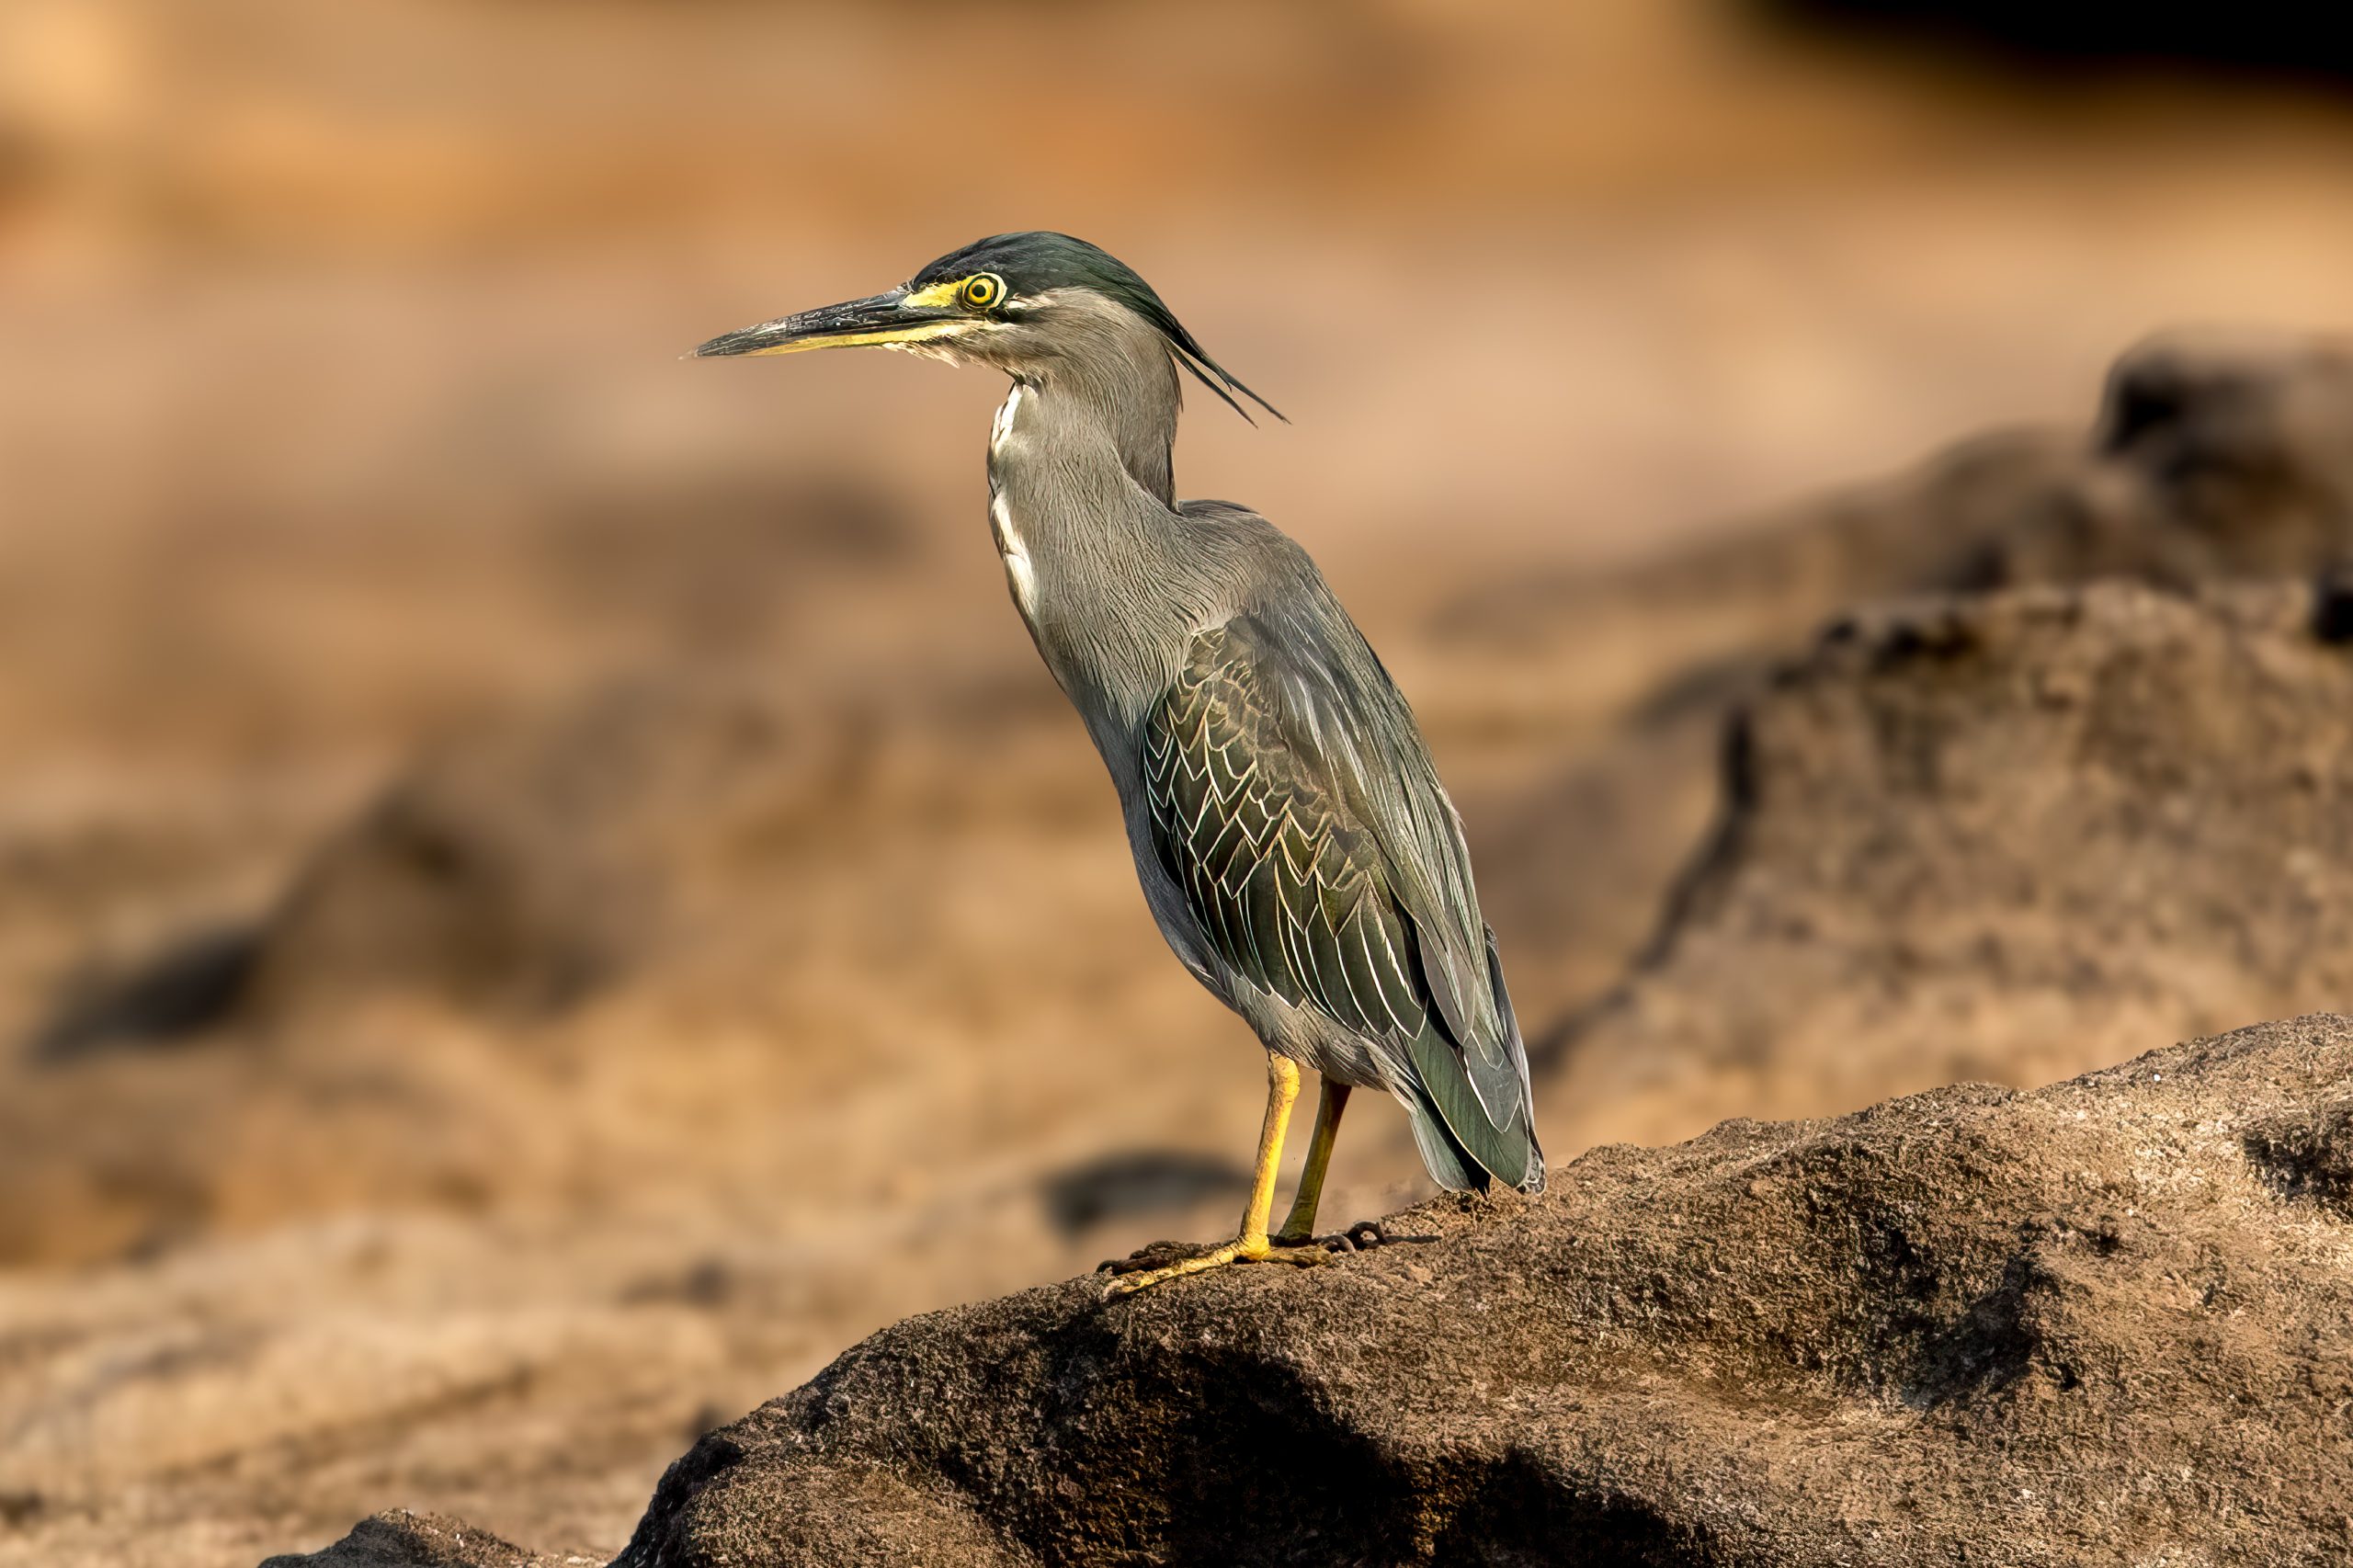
(2307,1158)
(2270,37)
(1990,1346)
(172,998)
(2333,607)
(1133,1183)
(1518,1516)
(1167,1455)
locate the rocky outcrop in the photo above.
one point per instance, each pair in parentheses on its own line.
(2213,458)
(2015,835)
(527,865)
(525,868)
(2109,1322)
(398,1539)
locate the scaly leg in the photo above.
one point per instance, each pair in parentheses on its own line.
(1282,1089)
(1300,1227)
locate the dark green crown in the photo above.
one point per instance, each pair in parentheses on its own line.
(1038,260)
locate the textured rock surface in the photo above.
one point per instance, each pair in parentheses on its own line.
(398,1539)
(2213,457)
(2017,835)
(2109,1322)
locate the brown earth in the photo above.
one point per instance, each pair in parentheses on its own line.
(2109,1321)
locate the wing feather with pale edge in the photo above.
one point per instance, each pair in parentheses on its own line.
(1292,801)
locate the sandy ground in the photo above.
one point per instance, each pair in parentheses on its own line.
(337,478)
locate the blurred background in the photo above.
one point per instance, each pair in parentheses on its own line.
(543,892)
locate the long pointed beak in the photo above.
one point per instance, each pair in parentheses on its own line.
(881,321)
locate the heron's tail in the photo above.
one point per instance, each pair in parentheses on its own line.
(1461,1143)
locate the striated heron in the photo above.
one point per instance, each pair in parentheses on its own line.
(1292,838)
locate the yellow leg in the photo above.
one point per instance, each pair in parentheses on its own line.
(1300,1226)
(1282,1090)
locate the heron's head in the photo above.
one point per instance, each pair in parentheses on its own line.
(1025,303)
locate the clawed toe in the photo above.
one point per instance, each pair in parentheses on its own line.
(1362,1236)
(1167,1260)
(1153,1255)
(1244,1250)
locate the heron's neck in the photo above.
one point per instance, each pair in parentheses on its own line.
(1111,376)
(1081,506)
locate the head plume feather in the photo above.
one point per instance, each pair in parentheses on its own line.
(1034,261)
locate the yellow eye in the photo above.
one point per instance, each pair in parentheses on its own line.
(983,289)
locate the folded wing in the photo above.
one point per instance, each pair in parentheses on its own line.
(1293,801)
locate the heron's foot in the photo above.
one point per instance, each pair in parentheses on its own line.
(1155,1255)
(1139,1273)
(1362,1236)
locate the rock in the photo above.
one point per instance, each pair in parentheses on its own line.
(2009,835)
(398,1539)
(529,866)
(2213,457)
(525,868)
(2107,1322)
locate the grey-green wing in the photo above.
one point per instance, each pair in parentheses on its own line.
(1278,774)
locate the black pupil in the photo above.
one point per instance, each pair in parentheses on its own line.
(981,290)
